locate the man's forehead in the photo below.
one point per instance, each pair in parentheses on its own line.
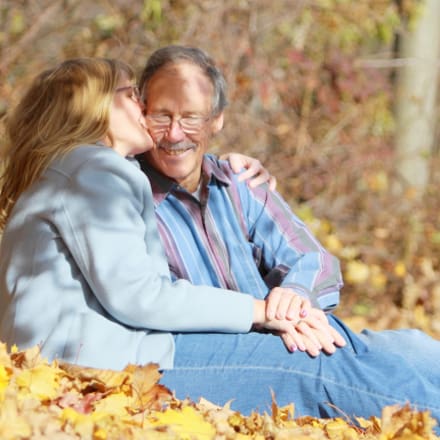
(182,74)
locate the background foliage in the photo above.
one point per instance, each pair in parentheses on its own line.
(311,87)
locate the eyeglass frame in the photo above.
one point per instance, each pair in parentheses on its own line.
(135,92)
(187,130)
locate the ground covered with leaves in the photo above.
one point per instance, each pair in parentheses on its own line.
(41,400)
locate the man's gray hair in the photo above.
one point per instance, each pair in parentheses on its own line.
(174,54)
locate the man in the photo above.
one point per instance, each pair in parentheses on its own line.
(219,231)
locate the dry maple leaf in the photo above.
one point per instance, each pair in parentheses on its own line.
(187,423)
(41,381)
(80,403)
(398,422)
(28,358)
(148,394)
(94,378)
(284,413)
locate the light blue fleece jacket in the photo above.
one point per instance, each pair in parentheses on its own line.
(83,272)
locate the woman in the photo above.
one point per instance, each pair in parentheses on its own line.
(83,272)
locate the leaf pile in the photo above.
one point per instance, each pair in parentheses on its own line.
(312,91)
(41,400)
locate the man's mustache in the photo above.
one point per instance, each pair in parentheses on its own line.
(183,145)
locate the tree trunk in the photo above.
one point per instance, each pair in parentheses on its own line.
(417,83)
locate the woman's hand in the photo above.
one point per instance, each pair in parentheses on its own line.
(283,303)
(300,326)
(282,327)
(317,333)
(255,172)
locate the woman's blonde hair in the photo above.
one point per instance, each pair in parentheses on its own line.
(64,107)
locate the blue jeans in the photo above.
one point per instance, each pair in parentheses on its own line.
(419,350)
(357,380)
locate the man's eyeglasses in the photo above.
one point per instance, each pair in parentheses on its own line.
(133,90)
(189,124)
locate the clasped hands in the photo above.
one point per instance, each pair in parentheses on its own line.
(300,326)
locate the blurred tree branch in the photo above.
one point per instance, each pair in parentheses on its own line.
(14,51)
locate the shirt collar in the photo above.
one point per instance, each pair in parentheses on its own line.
(213,170)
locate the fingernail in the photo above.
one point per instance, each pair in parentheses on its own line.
(293,348)
(303,313)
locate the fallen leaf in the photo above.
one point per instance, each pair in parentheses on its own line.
(186,423)
(42,381)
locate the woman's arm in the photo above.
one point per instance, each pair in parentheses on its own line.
(109,226)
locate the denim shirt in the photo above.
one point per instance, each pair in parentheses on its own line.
(241,238)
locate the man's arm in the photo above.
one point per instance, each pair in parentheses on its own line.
(289,254)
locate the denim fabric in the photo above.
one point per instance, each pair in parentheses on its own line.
(358,380)
(263,244)
(419,349)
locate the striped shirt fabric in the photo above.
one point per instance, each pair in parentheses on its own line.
(239,238)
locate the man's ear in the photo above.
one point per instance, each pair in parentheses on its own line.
(217,123)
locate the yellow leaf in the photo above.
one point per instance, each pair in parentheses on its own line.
(378,278)
(41,381)
(12,424)
(335,429)
(186,423)
(349,252)
(115,403)
(98,379)
(420,317)
(400,269)
(332,243)
(283,129)
(378,182)
(100,434)
(364,423)
(146,392)
(4,380)
(82,423)
(356,272)
(70,415)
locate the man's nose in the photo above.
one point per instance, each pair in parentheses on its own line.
(175,132)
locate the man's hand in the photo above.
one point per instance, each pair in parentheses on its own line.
(300,326)
(255,172)
(317,334)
